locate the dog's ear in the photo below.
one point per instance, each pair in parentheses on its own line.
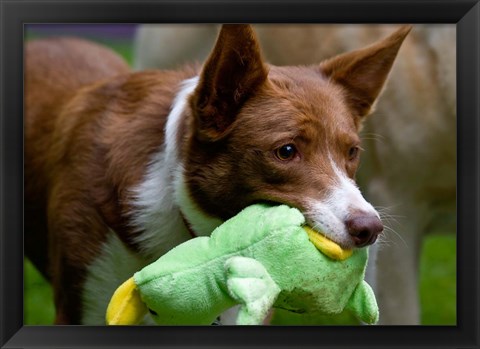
(232,73)
(363,72)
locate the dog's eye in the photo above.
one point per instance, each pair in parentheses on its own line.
(353,153)
(286,152)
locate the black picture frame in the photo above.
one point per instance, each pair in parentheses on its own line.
(16,13)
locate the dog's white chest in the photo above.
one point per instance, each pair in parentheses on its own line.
(114,265)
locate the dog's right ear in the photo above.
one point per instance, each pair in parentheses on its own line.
(233,71)
(363,72)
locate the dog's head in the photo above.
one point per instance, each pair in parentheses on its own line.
(285,134)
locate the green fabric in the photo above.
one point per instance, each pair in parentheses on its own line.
(261,258)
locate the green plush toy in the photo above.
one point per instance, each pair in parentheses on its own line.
(262,258)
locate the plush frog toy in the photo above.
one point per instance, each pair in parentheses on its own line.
(264,257)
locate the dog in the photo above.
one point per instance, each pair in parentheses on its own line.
(122,166)
(408,167)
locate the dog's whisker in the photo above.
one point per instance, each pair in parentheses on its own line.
(385,208)
(383,240)
(373,136)
(390,219)
(389,229)
(382,244)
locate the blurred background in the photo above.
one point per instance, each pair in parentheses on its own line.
(437,270)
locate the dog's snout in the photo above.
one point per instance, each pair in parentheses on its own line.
(364,229)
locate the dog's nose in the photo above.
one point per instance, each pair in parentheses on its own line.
(364,229)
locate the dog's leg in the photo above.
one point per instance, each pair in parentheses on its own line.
(394,260)
(66,282)
(36,245)
(76,232)
(397,275)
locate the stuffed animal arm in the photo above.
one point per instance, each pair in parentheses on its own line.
(249,284)
(262,258)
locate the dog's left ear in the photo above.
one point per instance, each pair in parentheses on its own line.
(363,72)
(232,73)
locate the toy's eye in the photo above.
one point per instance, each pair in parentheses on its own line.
(286,152)
(152,311)
(353,153)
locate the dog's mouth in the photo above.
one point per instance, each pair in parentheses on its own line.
(343,226)
(336,246)
(326,246)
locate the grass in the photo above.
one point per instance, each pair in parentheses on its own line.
(437,272)
(438,290)
(38,298)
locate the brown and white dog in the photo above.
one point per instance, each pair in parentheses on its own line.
(122,166)
(409,164)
